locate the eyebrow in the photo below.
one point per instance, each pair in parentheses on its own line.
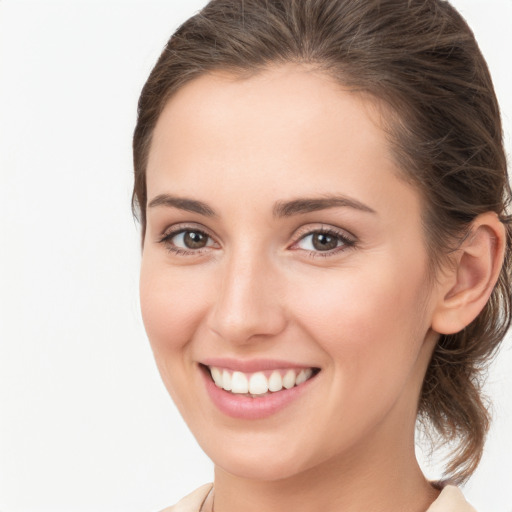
(281,208)
(182,203)
(306,205)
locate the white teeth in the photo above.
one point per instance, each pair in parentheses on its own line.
(289,379)
(226,380)
(258,384)
(239,383)
(301,377)
(217,377)
(275,383)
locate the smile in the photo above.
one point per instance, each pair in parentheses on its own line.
(259,383)
(255,393)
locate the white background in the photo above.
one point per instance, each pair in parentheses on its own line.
(85,424)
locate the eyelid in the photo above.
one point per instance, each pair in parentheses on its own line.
(348,239)
(174,230)
(323,228)
(185,226)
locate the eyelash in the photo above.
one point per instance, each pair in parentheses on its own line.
(346,241)
(168,236)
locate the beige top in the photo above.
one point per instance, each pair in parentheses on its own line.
(201,500)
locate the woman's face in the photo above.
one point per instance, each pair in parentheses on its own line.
(279,239)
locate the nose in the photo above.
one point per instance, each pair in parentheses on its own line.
(249,303)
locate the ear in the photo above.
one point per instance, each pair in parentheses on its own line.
(466,285)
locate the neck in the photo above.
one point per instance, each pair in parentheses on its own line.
(372,482)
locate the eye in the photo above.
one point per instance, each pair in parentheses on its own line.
(324,240)
(187,241)
(319,242)
(191,240)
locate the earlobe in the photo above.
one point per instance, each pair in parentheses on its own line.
(466,286)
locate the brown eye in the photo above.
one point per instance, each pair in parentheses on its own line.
(187,240)
(328,242)
(324,241)
(195,239)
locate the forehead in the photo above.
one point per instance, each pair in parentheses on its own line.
(282,98)
(287,125)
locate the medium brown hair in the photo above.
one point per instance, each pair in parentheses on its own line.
(419,59)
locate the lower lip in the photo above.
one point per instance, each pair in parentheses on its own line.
(248,408)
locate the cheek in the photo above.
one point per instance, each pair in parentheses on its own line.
(172,302)
(371,326)
(172,306)
(367,318)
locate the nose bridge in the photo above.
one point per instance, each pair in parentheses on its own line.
(247,303)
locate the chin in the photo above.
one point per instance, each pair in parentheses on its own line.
(256,464)
(261,471)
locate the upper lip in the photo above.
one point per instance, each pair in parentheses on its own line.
(252,365)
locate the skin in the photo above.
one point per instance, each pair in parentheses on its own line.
(363,312)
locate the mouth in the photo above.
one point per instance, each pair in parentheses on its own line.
(260,383)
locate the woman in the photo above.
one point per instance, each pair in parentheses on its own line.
(322,190)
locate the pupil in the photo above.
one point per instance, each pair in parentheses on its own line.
(195,240)
(323,242)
